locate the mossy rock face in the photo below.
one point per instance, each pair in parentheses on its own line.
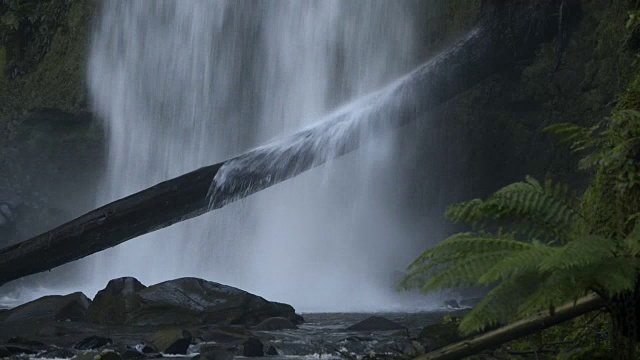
(72,307)
(43,60)
(51,149)
(109,304)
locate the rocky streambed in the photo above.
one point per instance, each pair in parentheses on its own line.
(191,317)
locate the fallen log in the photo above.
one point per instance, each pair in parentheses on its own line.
(503,35)
(516,330)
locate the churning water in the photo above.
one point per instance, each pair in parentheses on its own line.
(183,84)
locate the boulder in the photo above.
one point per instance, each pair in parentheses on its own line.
(171,341)
(186,301)
(32,344)
(108,355)
(216,354)
(58,354)
(87,355)
(16,349)
(132,355)
(275,323)
(4,352)
(93,342)
(109,305)
(253,347)
(225,334)
(272,351)
(471,302)
(146,349)
(375,323)
(452,303)
(72,307)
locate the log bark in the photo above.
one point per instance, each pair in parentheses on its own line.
(502,36)
(516,330)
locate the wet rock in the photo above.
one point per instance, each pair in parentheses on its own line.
(225,335)
(276,323)
(108,355)
(452,303)
(110,305)
(92,343)
(171,341)
(58,354)
(15,349)
(471,302)
(216,354)
(146,349)
(86,355)
(272,351)
(72,307)
(4,352)
(375,323)
(190,301)
(132,355)
(253,347)
(32,344)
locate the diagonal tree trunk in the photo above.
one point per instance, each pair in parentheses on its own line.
(506,32)
(516,330)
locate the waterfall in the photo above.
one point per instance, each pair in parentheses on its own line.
(183,84)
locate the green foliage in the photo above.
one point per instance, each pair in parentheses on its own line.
(537,244)
(540,211)
(44,58)
(28,28)
(546,258)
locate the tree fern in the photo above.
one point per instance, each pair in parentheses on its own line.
(539,255)
(537,245)
(543,211)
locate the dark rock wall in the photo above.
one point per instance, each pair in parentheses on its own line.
(51,148)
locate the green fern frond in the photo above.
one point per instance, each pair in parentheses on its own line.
(467,243)
(464,272)
(633,240)
(579,138)
(516,264)
(499,305)
(545,211)
(554,289)
(456,250)
(613,276)
(581,252)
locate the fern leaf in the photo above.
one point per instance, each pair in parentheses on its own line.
(614,275)
(499,305)
(584,251)
(633,240)
(516,263)
(464,272)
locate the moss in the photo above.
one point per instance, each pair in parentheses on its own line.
(49,67)
(3,69)
(58,81)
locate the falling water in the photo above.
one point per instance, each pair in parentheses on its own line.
(183,84)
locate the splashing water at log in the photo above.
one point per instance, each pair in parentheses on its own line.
(183,84)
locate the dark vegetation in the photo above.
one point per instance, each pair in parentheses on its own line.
(537,245)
